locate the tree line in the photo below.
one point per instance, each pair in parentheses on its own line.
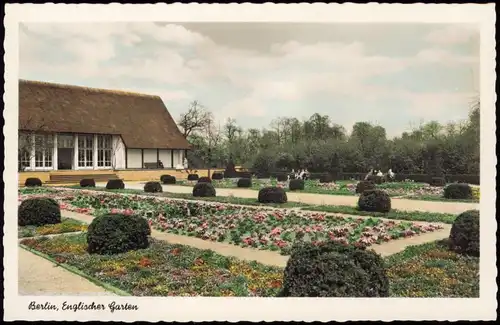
(320,145)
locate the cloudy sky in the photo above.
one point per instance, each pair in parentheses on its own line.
(394,75)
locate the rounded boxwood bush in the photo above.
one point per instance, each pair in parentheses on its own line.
(374,201)
(204,180)
(464,234)
(281,178)
(217,176)
(168,179)
(363,186)
(38,212)
(437,181)
(272,195)
(334,270)
(153,187)
(117,233)
(458,191)
(244,182)
(115,184)
(325,178)
(32,181)
(296,184)
(204,189)
(193,177)
(87,182)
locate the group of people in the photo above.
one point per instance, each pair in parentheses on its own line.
(390,174)
(300,174)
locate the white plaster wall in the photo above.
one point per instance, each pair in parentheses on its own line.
(134,158)
(150,155)
(165,158)
(178,157)
(118,153)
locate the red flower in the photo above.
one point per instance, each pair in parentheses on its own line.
(175,251)
(145,262)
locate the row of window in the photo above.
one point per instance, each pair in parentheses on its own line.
(42,148)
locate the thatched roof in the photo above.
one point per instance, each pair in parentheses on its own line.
(142,120)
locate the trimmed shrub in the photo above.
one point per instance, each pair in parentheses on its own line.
(153,187)
(464,234)
(325,178)
(32,181)
(38,212)
(458,191)
(364,186)
(203,189)
(204,180)
(117,233)
(87,182)
(281,178)
(168,179)
(244,174)
(375,179)
(334,270)
(115,184)
(244,182)
(193,177)
(217,175)
(437,181)
(272,195)
(296,184)
(374,201)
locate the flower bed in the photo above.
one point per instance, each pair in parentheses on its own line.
(67,225)
(243,226)
(431,270)
(165,269)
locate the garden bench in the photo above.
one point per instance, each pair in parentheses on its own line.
(154,165)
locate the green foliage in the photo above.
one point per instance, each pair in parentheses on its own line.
(437,181)
(87,182)
(363,186)
(244,182)
(217,176)
(193,177)
(38,212)
(117,233)
(464,234)
(32,182)
(204,189)
(168,179)
(115,184)
(272,195)
(296,184)
(458,191)
(153,187)
(374,201)
(334,270)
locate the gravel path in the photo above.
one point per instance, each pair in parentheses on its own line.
(40,277)
(326,199)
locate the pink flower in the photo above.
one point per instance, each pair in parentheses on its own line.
(275,231)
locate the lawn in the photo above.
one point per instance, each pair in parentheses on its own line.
(165,269)
(66,225)
(253,227)
(343,209)
(408,190)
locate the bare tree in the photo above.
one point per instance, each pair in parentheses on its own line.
(197,118)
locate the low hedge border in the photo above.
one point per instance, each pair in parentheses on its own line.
(75,271)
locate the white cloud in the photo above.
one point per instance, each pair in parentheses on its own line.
(454,34)
(171,56)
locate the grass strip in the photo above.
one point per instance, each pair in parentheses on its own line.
(76,271)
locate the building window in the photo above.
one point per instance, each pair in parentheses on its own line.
(85,151)
(44,148)
(104,147)
(24,150)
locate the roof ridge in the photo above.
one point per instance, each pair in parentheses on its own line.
(91,89)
